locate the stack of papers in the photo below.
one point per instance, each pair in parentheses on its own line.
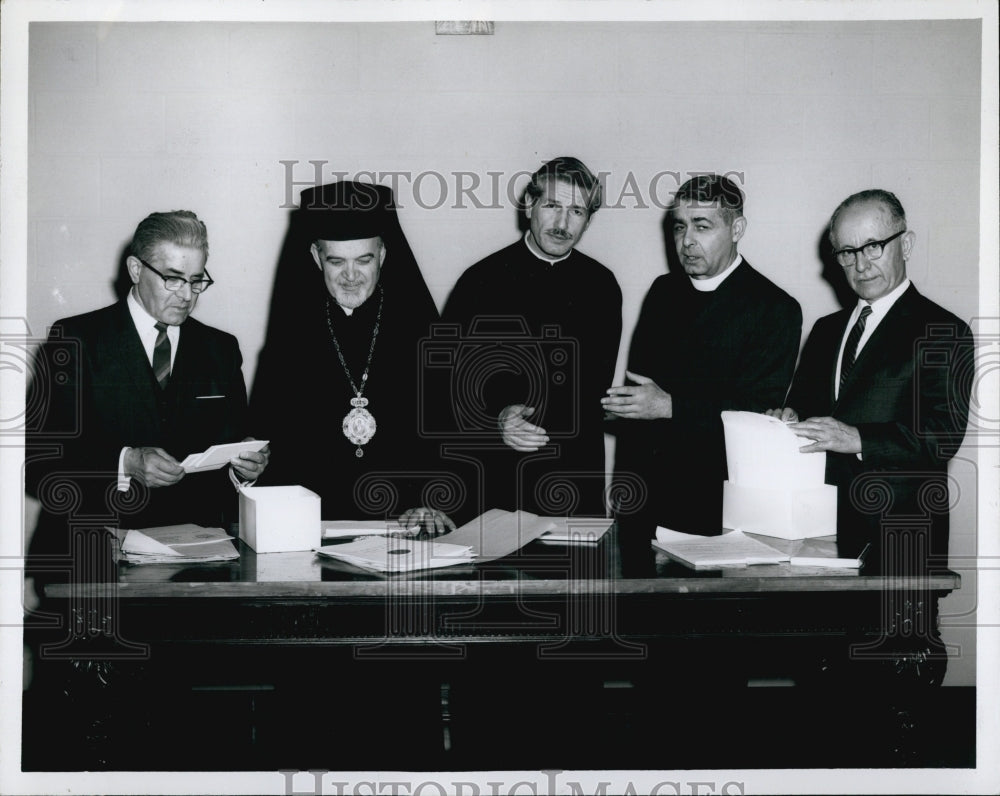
(219,455)
(175,544)
(389,554)
(575,530)
(734,549)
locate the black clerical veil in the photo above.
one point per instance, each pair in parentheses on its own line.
(301,392)
(344,210)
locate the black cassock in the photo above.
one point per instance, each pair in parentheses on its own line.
(302,392)
(732,348)
(544,335)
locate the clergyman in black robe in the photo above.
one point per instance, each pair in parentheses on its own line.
(713,334)
(337,386)
(539,324)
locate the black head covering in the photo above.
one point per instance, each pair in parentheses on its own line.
(344,210)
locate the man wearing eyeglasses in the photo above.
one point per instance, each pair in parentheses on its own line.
(125,393)
(884,389)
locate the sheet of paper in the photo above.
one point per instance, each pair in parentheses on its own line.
(219,455)
(390,554)
(762,451)
(498,533)
(343,529)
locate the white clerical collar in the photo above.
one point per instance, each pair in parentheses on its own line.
(713,282)
(535,250)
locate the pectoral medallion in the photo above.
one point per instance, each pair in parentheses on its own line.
(359,425)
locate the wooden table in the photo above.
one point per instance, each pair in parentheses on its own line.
(563,626)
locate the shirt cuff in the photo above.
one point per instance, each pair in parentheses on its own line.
(124,481)
(237,483)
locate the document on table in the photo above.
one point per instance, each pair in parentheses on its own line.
(175,544)
(219,455)
(498,533)
(733,549)
(575,530)
(344,529)
(391,554)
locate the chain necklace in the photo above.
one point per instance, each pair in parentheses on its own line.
(359,425)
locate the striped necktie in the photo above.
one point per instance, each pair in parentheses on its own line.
(851,349)
(161,355)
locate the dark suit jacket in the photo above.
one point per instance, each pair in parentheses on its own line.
(93,393)
(908,395)
(732,348)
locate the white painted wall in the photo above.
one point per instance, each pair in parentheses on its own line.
(128,118)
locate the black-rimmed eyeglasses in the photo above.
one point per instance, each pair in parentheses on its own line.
(871,251)
(175,283)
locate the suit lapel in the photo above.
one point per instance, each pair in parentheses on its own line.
(127,352)
(884,340)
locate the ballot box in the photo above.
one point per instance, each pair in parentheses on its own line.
(280,519)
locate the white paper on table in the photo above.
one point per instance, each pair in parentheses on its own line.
(219,455)
(763,452)
(343,529)
(175,543)
(498,533)
(733,549)
(575,530)
(387,554)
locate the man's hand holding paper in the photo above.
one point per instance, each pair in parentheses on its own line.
(152,467)
(250,465)
(828,434)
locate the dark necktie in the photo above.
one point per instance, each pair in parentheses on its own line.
(161,355)
(851,349)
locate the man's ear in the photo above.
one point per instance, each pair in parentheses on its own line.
(315,255)
(739,227)
(381,254)
(134,268)
(908,240)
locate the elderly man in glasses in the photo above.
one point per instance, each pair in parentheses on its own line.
(120,396)
(883,387)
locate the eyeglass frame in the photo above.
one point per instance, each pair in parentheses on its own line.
(860,249)
(203,284)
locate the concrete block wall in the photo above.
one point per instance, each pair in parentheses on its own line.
(128,118)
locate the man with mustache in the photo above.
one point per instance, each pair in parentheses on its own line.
(123,394)
(540,323)
(713,334)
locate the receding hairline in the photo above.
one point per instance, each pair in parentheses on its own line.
(860,201)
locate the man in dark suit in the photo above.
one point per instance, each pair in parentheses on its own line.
(122,394)
(884,387)
(713,334)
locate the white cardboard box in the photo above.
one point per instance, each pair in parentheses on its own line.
(787,514)
(280,519)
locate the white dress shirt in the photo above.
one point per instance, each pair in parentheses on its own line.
(880,307)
